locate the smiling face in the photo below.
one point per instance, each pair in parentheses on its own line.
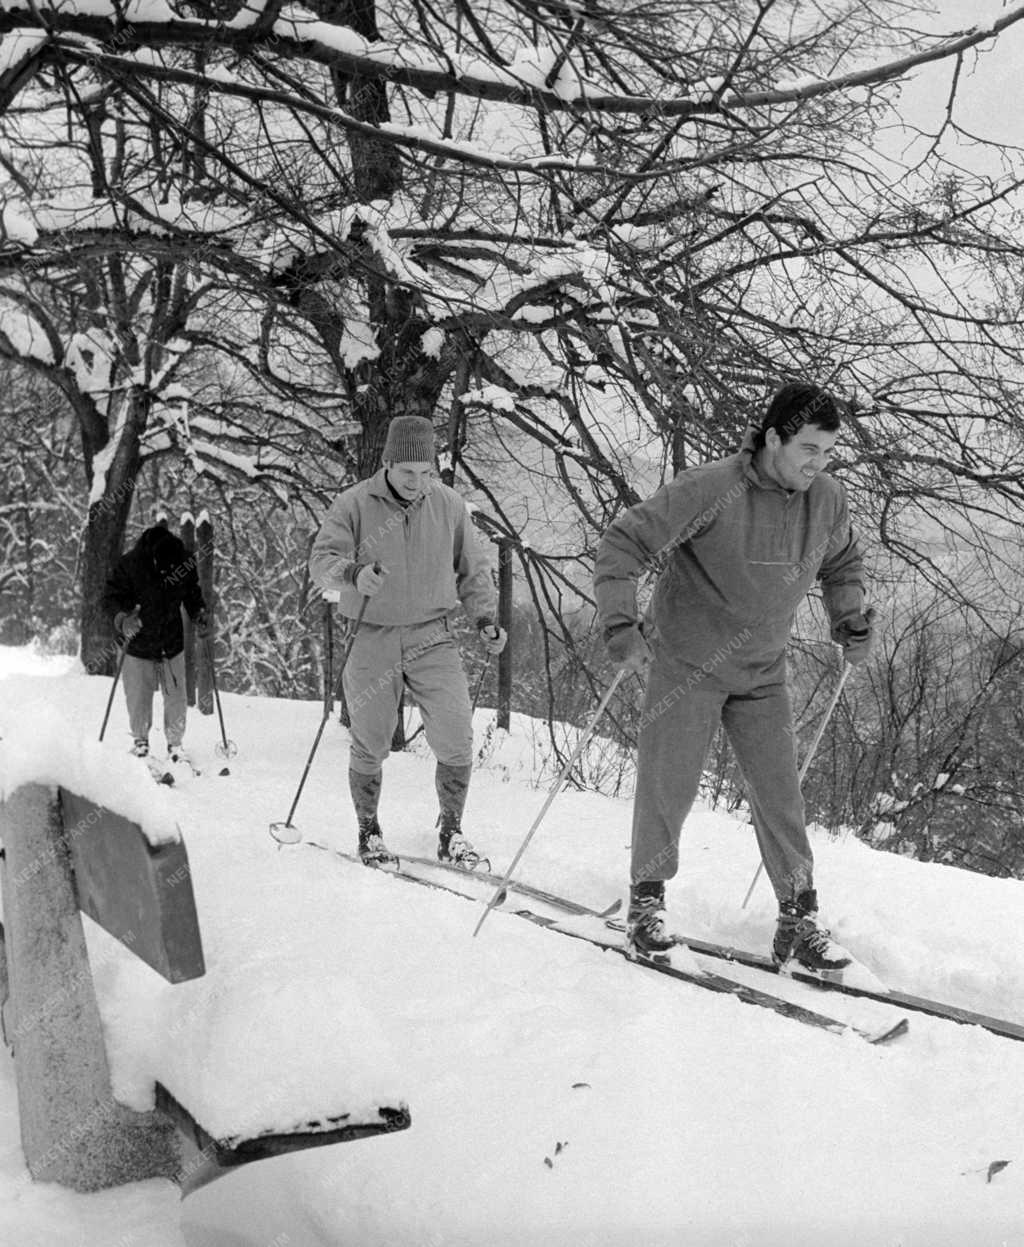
(795,464)
(410,480)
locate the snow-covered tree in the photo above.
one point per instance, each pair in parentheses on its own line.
(586,239)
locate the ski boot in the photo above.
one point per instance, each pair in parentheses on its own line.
(365,791)
(140,749)
(454,848)
(452,784)
(799,937)
(372,849)
(646,932)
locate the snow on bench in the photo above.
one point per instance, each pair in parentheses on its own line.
(64,853)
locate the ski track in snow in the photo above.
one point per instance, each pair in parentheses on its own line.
(558,1095)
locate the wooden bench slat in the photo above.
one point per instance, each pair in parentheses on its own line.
(140,892)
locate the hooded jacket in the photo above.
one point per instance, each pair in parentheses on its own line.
(428,547)
(158,575)
(737,553)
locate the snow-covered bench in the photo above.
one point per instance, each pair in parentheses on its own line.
(65,853)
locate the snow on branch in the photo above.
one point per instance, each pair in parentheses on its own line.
(297,34)
(413,137)
(21,334)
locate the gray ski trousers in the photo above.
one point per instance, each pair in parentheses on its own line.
(680,717)
(423,657)
(142,678)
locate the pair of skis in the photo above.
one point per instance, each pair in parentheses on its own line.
(398,868)
(582,922)
(161,771)
(596,927)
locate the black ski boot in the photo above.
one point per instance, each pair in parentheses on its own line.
(452,846)
(372,849)
(452,784)
(646,932)
(365,791)
(798,936)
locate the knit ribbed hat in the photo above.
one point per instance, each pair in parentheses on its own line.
(410,439)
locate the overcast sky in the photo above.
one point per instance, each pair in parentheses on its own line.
(989,90)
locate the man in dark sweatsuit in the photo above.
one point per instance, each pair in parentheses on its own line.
(144,595)
(742,540)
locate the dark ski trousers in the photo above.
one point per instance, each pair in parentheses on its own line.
(424,658)
(682,712)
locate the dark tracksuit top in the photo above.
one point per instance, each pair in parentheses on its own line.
(738,554)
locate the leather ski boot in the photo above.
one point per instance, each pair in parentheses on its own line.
(798,936)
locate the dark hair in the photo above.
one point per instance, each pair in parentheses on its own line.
(795,404)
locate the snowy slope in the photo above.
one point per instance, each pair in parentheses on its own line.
(558,1095)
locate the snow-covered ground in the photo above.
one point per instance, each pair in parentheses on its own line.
(558,1095)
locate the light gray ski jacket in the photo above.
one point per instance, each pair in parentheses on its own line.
(433,557)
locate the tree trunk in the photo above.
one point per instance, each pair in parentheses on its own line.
(104,534)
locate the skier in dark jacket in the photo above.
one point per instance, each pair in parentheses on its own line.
(144,595)
(741,541)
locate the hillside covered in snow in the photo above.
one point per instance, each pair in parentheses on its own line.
(558,1094)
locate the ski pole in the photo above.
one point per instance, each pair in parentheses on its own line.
(499,891)
(227,748)
(328,656)
(113,687)
(285,833)
(806,764)
(479,685)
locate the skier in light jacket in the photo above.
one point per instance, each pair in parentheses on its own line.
(740,541)
(420,535)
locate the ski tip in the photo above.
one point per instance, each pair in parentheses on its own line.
(888,1033)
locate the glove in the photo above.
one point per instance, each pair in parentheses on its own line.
(856,636)
(494,638)
(128,625)
(369,579)
(202,624)
(628,649)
